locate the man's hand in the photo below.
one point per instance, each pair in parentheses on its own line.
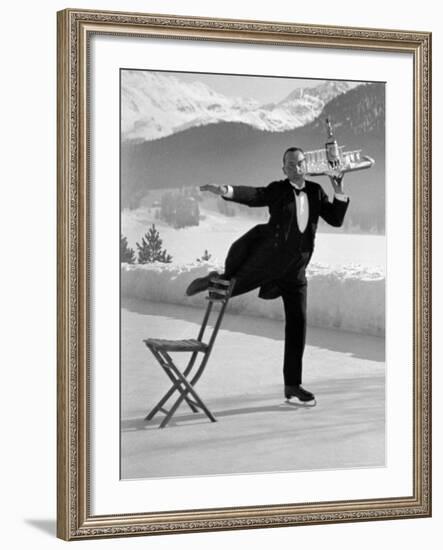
(337,183)
(216,189)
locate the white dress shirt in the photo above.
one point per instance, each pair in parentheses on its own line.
(301,202)
(302,207)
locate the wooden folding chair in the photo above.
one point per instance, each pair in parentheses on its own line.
(183,381)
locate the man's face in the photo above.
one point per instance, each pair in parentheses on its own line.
(295,166)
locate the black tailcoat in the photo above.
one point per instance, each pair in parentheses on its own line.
(274,257)
(272,247)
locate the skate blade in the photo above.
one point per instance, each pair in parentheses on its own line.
(294,402)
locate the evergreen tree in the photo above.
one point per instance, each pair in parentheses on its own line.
(205,257)
(127,255)
(151,248)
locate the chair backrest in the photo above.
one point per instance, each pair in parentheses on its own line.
(219,292)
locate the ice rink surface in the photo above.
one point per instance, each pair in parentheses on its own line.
(256,431)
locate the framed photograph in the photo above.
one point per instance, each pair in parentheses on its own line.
(244,249)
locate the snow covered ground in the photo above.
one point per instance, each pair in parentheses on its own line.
(256,431)
(217,232)
(346,276)
(351,298)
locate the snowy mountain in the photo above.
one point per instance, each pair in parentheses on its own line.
(239,154)
(359,112)
(156,105)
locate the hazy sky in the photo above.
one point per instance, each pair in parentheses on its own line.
(262,88)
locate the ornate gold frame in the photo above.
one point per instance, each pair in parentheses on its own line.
(74,518)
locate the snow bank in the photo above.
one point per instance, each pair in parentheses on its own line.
(351,298)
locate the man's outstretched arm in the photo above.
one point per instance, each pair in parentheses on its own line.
(250,196)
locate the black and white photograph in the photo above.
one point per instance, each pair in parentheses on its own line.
(252,274)
(224,246)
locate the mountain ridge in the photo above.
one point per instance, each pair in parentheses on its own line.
(155,105)
(238,154)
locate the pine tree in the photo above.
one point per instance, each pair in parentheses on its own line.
(205,257)
(151,248)
(127,255)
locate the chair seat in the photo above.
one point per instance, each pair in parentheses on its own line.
(176,345)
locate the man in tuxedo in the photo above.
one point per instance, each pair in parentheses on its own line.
(274,256)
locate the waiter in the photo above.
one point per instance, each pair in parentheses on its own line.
(274,256)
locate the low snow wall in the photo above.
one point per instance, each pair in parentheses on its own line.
(351,298)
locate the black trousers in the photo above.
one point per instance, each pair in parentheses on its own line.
(255,261)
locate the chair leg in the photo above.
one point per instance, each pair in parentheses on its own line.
(165,364)
(165,399)
(181,385)
(184,393)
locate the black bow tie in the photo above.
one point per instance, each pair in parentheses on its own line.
(298,191)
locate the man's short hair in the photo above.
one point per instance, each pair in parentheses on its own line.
(291,150)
